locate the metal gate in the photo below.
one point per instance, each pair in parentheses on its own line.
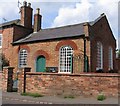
(15,83)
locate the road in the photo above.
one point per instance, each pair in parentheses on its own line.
(15,98)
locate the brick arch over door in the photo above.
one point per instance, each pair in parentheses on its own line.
(42,53)
(66,42)
(23,47)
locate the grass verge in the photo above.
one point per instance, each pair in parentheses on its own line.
(69,96)
(32,94)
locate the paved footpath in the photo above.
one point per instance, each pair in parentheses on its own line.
(15,98)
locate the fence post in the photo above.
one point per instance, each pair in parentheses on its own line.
(22,79)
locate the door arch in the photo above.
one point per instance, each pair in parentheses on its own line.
(40,64)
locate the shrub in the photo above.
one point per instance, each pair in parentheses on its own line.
(101,97)
(69,96)
(112,71)
(32,94)
(3,61)
(100,71)
(118,53)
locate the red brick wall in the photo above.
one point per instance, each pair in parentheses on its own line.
(21,32)
(49,51)
(99,32)
(7,48)
(26,16)
(73,84)
(65,42)
(102,32)
(9,35)
(84,84)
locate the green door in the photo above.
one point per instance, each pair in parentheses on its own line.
(40,64)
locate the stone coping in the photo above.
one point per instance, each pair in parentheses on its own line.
(8,67)
(80,74)
(24,68)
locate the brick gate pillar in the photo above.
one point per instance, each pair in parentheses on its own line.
(22,79)
(7,79)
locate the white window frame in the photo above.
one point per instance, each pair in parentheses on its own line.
(110,58)
(23,53)
(100,51)
(66,65)
(1,41)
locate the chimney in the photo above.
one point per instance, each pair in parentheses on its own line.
(26,15)
(37,20)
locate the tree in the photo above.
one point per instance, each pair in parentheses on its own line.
(3,61)
(118,53)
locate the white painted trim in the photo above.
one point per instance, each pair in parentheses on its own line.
(60,58)
(64,72)
(110,57)
(19,58)
(101,56)
(101,49)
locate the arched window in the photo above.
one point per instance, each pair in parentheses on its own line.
(99,56)
(110,58)
(23,58)
(66,54)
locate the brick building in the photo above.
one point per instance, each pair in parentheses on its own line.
(84,47)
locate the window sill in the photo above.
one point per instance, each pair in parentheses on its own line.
(64,73)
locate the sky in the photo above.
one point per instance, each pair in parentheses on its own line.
(57,13)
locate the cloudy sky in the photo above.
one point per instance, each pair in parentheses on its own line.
(58,13)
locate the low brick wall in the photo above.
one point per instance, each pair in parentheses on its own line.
(7,79)
(1,80)
(73,84)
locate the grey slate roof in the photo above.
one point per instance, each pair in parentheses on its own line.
(57,33)
(17,22)
(54,33)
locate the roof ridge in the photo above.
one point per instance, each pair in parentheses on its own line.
(94,21)
(97,19)
(62,26)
